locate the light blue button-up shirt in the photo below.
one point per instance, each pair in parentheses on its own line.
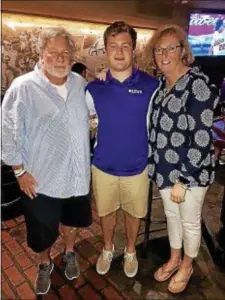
(48,135)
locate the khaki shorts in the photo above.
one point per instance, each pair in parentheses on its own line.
(128,192)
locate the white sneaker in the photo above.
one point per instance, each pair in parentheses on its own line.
(130,266)
(104,261)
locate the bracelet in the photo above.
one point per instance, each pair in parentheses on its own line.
(20,174)
(18,171)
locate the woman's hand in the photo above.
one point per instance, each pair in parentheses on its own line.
(178,193)
(27,184)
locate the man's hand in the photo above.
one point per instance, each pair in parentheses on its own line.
(93,122)
(102,75)
(27,184)
(178,193)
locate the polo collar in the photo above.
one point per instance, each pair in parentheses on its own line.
(133,78)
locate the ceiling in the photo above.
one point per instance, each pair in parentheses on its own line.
(140,13)
(184,4)
(203,4)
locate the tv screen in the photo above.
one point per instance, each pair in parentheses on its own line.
(206,34)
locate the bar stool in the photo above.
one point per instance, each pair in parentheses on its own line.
(148,221)
(11,195)
(216,245)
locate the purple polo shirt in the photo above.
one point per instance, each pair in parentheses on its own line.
(122,140)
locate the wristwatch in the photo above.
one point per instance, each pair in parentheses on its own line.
(184,180)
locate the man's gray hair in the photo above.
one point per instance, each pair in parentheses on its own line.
(51,33)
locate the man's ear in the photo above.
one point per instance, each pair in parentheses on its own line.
(41,60)
(83,73)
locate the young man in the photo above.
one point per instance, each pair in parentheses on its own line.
(120,177)
(46,141)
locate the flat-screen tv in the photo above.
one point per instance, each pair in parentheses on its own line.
(206,34)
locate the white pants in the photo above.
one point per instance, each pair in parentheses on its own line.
(184,219)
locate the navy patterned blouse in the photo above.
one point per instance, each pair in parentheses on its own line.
(180,137)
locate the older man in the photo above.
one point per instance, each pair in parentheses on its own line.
(46,141)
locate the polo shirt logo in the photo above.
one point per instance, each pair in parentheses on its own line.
(135,91)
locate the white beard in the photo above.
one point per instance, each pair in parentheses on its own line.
(58,73)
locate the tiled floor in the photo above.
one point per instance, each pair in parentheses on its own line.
(19,266)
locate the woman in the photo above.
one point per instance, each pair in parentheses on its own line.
(181,159)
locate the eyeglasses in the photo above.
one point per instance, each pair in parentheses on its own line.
(169,49)
(56,55)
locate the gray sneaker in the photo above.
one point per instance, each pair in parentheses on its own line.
(72,269)
(43,281)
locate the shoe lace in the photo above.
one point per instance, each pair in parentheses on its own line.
(70,258)
(43,272)
(107,255)
(130,257)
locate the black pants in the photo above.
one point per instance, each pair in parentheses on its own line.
(43,215)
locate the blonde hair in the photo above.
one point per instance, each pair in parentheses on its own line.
(50,33)
(170,29)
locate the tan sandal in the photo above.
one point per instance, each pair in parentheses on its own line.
(161,275)
(182,284)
